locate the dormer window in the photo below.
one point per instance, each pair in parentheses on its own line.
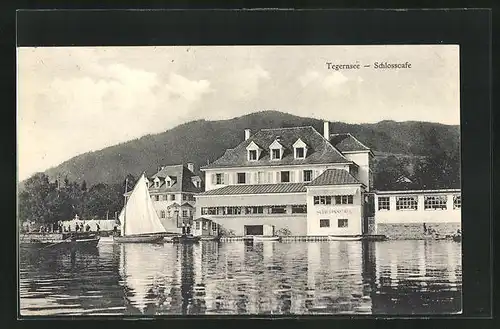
(252,155)
(157,182)
(300,149)
(276,154)
(253,151)
(276,150)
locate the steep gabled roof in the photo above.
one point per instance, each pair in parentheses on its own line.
(334,177)
(319,149)
(347,143)
(182,180)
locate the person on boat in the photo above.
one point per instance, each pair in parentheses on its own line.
(425,229)
(183,229)
(98,228)
(87,228)
(115,230)
(77,228)
(188,229)
(81,227)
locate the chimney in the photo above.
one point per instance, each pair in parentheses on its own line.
(247,134)
(326,130)
(190,166)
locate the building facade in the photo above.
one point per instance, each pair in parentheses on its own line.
(296,180)
(173,189)
(418,214)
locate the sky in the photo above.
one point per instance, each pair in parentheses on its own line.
(73,100)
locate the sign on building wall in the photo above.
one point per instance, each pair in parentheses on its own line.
(334,211)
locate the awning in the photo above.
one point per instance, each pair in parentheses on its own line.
(344,190)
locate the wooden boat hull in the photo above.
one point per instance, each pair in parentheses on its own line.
(345,238)
(186,239)
(266,238)
(139,239)
(63,244)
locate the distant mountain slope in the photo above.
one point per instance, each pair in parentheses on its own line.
(201,141)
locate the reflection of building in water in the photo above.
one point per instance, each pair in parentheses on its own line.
(415,278)
(335,278)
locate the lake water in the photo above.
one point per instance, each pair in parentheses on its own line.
(231,278)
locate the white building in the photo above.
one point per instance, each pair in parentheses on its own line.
(289,178)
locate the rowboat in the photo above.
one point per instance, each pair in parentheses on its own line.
(345,237)
(457,238)
(266,238)
(63,241)
(139,220)
(186,239)
(139,239)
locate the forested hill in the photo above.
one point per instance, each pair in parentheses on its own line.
(201,141)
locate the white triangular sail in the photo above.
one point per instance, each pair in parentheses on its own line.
(139,216)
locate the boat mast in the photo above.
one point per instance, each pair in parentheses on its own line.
(125,207)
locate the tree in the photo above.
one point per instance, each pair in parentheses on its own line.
(37,200)
(388,172)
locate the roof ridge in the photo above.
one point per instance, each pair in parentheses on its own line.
(330,144)
(357,140)
(266,129)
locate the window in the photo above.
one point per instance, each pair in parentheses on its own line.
(214,226)
(308,175)
(252,155)
(184,213)
(261,177)
(277,210)
(457,202)
(209,211)
(344,199)
(169,213)
(184,197)
(299,153)
(435,202)
(165,197)
(169,183)
(197,225)
(204,225)
(406,203)
(254,210)
(157,197)
(285,177)
(219,179)
(162,214)
(383,203)
(157,184)
(233,210)
(299,209)
(324,223)
(241,178)
(172,197)
(275,154)
(342,222)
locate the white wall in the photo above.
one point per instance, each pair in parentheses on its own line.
(363,161)
(420,215)
(296,174)
(353,213)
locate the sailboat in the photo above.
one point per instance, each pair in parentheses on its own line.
(139,220)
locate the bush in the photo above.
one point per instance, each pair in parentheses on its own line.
(225,232)
(283,232)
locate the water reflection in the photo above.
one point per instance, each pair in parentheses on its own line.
(392,277)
